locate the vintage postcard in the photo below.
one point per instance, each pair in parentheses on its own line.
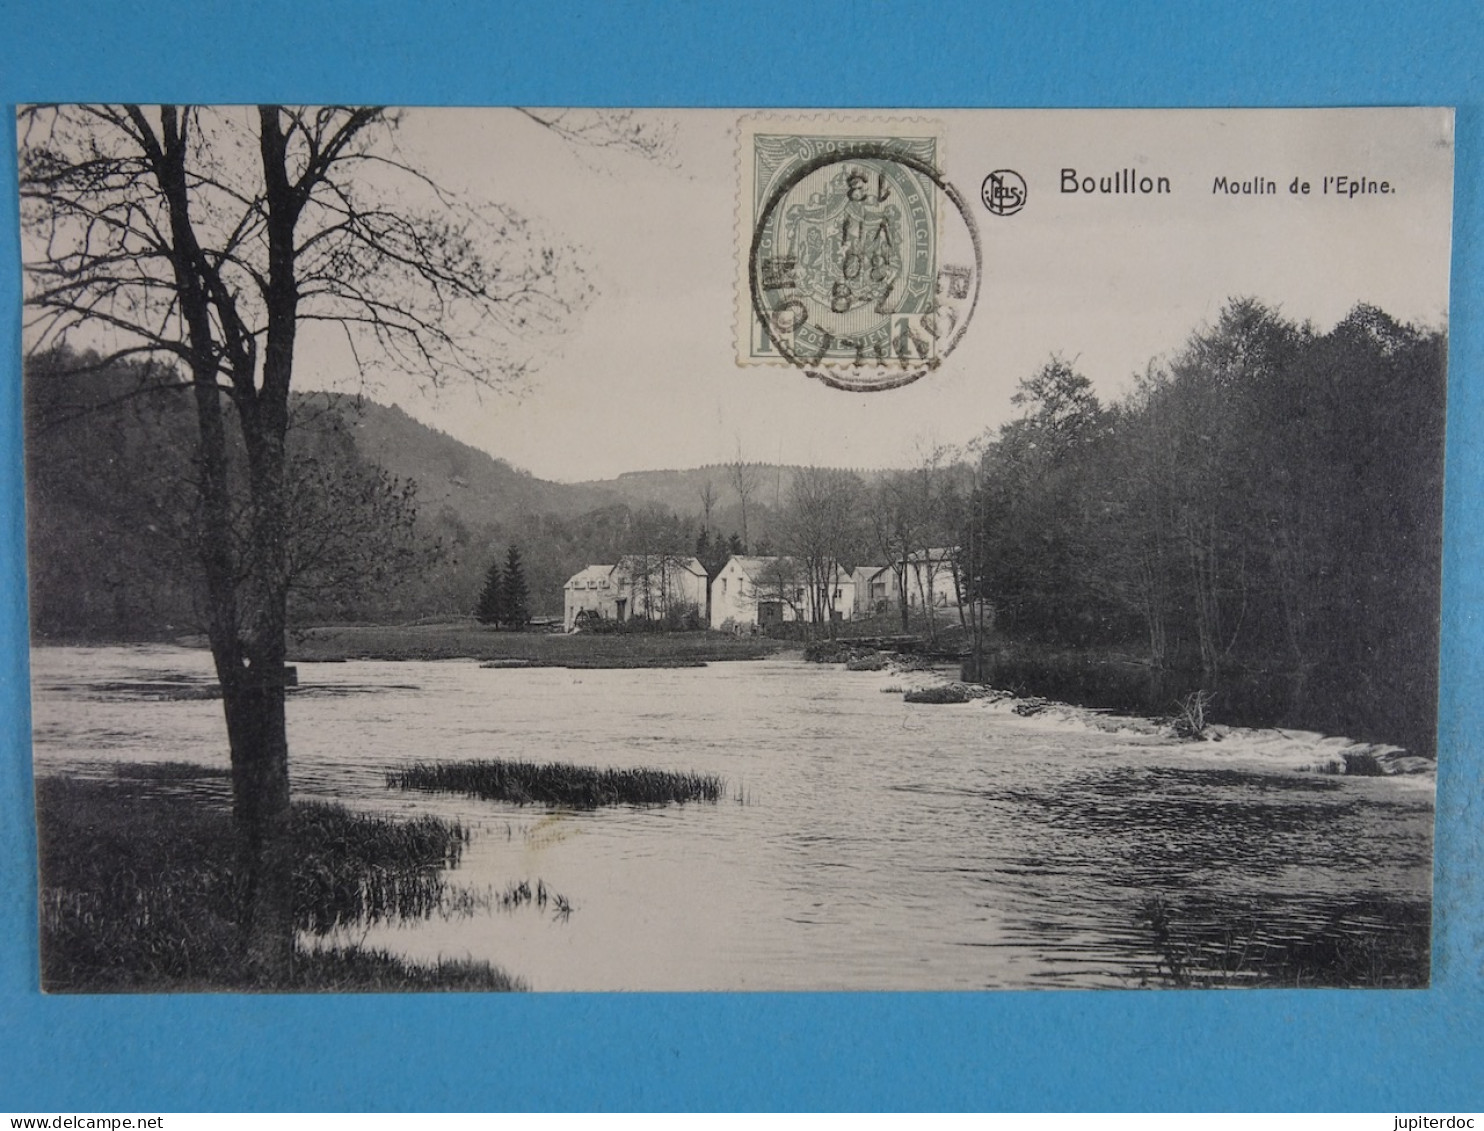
(734,550)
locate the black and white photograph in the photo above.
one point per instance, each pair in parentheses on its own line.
(733,550)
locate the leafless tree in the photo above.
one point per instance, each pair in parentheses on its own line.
(929,483)
(780,580)
(212,238)
(708,501)
(657,554)
(745,480)
(600,129)
(822,531)
(895,518)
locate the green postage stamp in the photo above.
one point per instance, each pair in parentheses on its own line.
(862,264)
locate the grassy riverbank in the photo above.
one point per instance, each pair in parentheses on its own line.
(139,886)
(1370,943)
(1268,697)
(1125,683)
(533,649)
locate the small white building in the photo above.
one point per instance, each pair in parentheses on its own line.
(642,586)
(754,592)
(837,601)
(931,579)
(654,586)
(876,591)
(589,590)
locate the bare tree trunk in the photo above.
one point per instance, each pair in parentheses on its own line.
(708,500)
(254,705)
(902,593)
(250,670)
(832,571)
(744,482)
(1153,610)
(1202,573)
(248,597)
(246,629)
(958,591)
(925,591)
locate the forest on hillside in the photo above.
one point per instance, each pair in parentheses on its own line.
(1262,512)
(391,520)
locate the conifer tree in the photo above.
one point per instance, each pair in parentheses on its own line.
(515,597)
(492,607)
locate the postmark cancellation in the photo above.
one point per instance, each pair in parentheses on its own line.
(859,263)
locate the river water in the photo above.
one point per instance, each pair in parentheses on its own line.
(865,843)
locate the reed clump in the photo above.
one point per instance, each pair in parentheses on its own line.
(355,969)
(557,784)
(1190,720)
(140,889)
(362,869)
(1363,764)
(947,693)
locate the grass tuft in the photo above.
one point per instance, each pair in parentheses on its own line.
(358,868)
(557,784)
(829,651)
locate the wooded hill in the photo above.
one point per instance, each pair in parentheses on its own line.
(417,515)
(1262,516)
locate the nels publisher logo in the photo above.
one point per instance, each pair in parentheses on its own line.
(1003,192)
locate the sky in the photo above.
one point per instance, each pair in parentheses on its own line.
(645,375)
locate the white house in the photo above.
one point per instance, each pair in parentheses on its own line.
(637,585)
(659,585)
(876,590)
(751,591)
(589,590)
(930,579)
(838,599)
(758,591)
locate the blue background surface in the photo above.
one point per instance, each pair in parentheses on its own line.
(1320,1050)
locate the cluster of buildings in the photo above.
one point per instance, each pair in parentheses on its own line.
(752,592)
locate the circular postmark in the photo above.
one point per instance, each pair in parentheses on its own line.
(1003,192)
(864,267)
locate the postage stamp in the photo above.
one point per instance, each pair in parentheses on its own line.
(861,262)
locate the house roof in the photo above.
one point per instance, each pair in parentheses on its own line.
(590,573)
(867,573)
(632,563)
(750,565)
